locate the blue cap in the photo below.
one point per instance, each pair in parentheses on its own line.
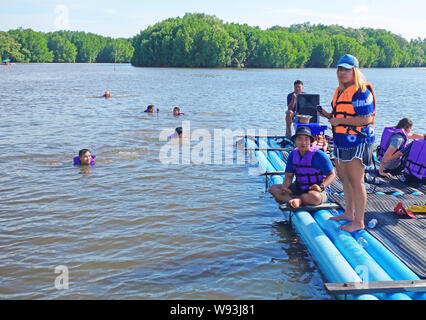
(348,61)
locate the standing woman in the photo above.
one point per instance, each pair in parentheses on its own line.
(352,119)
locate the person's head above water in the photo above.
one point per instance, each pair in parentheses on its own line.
(84,158)
(179,132)
(176,112)
(107,94)
(150,109)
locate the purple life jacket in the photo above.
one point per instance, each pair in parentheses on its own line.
(416,160)
(388,132)
(306,175)
(77,160)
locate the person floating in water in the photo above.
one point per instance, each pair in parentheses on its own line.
(177,134)
(176,112)
(107,95)
(151,109)
(84,158)
(313,170)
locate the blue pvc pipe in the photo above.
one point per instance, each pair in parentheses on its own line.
(274,144)
(331,262)
(354,253)
(393,266)
(264,163)
(272,156)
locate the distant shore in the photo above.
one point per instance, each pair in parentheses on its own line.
(203,41)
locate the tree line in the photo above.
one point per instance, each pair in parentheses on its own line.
(26,45)
(199,40)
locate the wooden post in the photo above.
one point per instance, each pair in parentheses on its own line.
(376,287)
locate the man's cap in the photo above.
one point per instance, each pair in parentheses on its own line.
(303,131)
(348,61)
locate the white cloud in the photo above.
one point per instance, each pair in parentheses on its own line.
(361,16)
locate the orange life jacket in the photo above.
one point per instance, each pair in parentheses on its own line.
(343,108)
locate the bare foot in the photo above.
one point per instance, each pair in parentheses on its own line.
(353,226)
(295,203)
(346,216)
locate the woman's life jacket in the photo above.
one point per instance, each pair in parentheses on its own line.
(415,164)
(343,108)
(306,175)
(77,160)
(388,132)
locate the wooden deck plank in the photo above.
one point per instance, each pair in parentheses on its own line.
(376,287)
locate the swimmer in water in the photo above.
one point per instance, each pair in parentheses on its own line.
(107,95)
(177,134)
(84,158)
(151,109)
(176,112)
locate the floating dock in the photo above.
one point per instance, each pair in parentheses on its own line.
(387,262)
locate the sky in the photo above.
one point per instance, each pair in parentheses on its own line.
(127,18)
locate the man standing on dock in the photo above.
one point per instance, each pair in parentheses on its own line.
(291,103)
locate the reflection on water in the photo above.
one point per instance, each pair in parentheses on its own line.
(130,226)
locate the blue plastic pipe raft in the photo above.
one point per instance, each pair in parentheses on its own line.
(274,144)
(272,156)
(331,262)
(321,243)
(357,257)
(264,163)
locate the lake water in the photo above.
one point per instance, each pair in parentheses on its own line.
(133,227)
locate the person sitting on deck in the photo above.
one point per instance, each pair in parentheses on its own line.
(394,139)
(313,170)
(414,162)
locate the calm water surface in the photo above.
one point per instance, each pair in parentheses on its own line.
(132,227)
